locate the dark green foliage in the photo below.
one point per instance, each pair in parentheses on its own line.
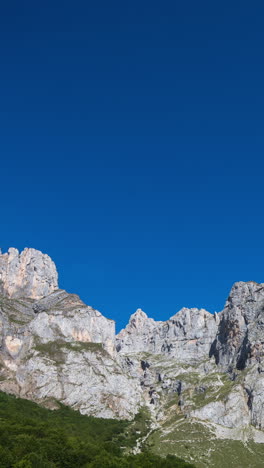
(34,437)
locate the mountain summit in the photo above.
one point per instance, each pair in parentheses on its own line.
(27,274)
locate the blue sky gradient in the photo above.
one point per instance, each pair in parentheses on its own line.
(131,142)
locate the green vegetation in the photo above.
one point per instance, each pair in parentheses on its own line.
(139,427)
(35,437)
(86,346)
(14,310)
(192,440)
(55,350)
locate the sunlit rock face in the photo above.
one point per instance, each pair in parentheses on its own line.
(138,334)
(27,274)
(186,336)
(59,349)
(63,316)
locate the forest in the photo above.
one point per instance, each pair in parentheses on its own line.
(35,437)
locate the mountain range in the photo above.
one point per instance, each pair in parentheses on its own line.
(199,375)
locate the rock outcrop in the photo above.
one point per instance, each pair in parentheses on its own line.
(138,334)
(187,336)
(56,348)
(27,274)
(240,337)
(239,344)
(213,364)
(59,349)
(64,316)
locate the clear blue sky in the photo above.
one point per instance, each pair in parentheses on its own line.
(131,141)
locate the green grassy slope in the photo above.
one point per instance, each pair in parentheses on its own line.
(197,443)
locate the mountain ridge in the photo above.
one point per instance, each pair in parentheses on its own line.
(194,369)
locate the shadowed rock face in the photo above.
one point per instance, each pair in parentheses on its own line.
(240,337)
(27,274)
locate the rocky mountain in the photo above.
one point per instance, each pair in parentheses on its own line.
(29,274)
(187,336)
(201,376)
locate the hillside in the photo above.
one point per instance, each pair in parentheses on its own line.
(35,437)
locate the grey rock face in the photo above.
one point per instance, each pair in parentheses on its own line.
(64,316)
(187,336)
(239,340)
(85,379)
(231,412)
(213,362)
(58,348)
(27,274)
(138,334)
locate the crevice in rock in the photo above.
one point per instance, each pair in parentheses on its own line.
(243,353)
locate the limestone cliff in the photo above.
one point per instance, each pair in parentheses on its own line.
(187,336)
(27,274)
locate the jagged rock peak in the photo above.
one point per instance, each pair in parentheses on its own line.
(186,335)
(244,291)
(27,274)
(133,337)
(193,311)
(138,319)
